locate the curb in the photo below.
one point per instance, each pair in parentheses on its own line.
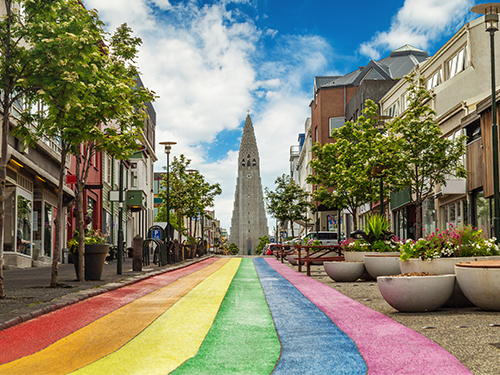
(22,315)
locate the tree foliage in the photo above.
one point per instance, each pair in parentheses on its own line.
(86,95)
(263,241)
(344,169)
(289,202)
(424,157)
(190,194)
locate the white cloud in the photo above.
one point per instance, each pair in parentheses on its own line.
(207,66)
(418,23)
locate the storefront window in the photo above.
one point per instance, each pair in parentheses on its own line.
(10,218)
(455,214)
(48,239)
(24,222)
(429,216)
(482,212)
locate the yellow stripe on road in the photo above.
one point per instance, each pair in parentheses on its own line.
(108,333)
(175,336)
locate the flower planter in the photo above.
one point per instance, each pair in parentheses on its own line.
(95,256)
(292,259)
(344,271)
(480,282)
(356,256)
(416,293)
(382,264)
(443,266)
(439,266)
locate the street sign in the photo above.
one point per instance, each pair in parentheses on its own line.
(156,234)
(272,240)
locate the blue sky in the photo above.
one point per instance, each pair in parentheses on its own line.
(211,61)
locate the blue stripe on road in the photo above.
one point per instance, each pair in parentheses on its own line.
(311,342)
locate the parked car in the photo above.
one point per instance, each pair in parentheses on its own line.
(325,238)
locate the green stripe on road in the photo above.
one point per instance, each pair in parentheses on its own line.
(242,339)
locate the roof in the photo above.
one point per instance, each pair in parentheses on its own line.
(396,65)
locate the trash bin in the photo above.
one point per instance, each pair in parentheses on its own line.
(65,255)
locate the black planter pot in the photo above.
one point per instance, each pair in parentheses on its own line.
(95,256)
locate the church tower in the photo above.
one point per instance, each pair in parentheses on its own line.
(249,221)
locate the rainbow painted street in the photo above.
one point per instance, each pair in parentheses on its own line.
(221,316)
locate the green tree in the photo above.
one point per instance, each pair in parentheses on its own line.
(425,157)
(343,169)
(190,194)
(232,249)
(289,202)
(263,241)
(89,94)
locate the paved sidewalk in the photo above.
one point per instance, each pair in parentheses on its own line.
(29,295)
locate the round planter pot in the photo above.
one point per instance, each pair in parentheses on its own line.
(382,264)
(480,282)
(95,256)
(344,271)
(292,259)
(416,293)
(439,266)
(355,256)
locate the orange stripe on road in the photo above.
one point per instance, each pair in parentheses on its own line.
(107,334)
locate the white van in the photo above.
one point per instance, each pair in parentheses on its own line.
(325,238)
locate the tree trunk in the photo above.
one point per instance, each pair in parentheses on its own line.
(291,225)
(54,280)
(81,231)
(418,220)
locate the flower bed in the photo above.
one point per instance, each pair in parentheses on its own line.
(454,242)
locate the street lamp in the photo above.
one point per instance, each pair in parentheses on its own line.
(490,11)
(190,172)
(168,147)
(381,127)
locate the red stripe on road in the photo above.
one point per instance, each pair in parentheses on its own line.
(30,337)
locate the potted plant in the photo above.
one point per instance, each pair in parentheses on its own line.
(96,251)
(439,251)
(416,292)
(378,248)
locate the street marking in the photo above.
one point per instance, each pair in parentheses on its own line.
(243,339)
(311,342)
(108,333)
(175,336)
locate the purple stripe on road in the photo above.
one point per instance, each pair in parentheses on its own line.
(389,348)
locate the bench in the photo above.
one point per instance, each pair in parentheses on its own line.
(322,254)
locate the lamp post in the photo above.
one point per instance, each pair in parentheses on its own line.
(190,172)
(119,263)
(168,147)
(490,11)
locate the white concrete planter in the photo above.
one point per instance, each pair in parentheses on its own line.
(439,266)
(355,256)
(292,259)
(416,293)
(382,264)
(344,271)
(480,283)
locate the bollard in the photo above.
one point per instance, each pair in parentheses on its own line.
(137,253)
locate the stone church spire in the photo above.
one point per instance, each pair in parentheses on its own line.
(249,221)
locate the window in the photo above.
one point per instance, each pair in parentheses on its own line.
(473,131)
(404,102)
(393,110)
(108,168)
(429,216)
(435,79)
(335,123)
(457,63)
(454,214)
(133,178)
(243,163)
